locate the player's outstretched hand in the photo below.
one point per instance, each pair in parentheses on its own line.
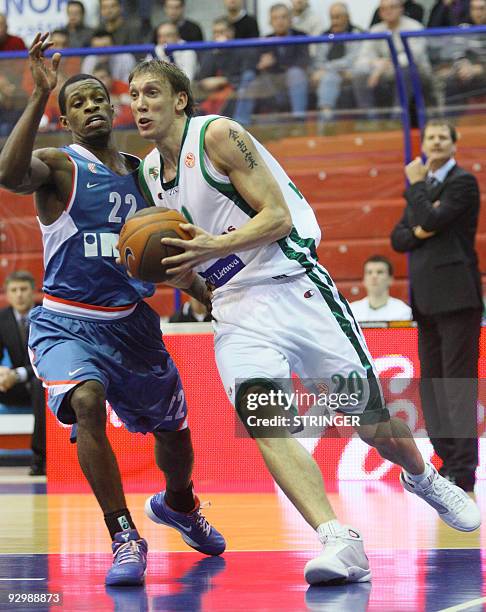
(201,248)
(43,73)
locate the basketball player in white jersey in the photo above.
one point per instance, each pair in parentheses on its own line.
(276,309)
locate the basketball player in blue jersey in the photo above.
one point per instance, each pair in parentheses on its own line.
(276,309)
(94,338)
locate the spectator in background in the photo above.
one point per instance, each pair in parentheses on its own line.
(477,13)
(246,26)
(448,13)
(8,42)
(59,39)
(120,64)
(410,9)
(438,230)
(190,31)
(224,76)
(18,383)
(68,67)
(166,33)
(467,76)
(190,312)
(374,70)
(304,19)
(119,97)
(79,34)
(334,62)
(378,305)
(282,70)
(122,32)
(12,102)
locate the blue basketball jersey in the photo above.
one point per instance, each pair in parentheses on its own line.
(79,247)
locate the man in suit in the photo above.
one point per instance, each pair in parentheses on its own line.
(438,231)
(18,383)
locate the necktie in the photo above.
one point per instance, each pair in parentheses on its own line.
(431,184)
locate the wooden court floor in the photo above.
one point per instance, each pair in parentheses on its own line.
(59,544)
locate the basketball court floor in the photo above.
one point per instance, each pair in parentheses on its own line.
(58,544)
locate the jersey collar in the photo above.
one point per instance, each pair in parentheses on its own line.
(175,181)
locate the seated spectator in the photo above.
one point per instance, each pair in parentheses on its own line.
(245,26)
(448,13)
(190,312)
(334,62)
(304,18)
(467,77)
(122,32)
(166,33)
(282,70)
(18,383)
(79,34)
(12,102)
(119,96)
(224,75)
(410,9)
(59,39)
(120,64)
(374,73)
(9,42)
(378,305)
(190,31)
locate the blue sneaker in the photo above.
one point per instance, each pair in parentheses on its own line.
(193,527)
(129,559)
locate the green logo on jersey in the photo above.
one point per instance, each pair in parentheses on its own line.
(154,173)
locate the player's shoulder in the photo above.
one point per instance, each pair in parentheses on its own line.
(149,167)
(221,130)
(55,158)
(152,156)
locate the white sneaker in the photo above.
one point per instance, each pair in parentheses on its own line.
(454,505)
(342,560)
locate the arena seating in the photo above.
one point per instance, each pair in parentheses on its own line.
(354,182)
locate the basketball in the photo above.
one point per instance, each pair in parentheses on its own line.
(140,248)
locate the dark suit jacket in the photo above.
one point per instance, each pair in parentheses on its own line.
(443,269)
(11,341)
(288,56)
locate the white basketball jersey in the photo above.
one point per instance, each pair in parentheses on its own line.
(209,200)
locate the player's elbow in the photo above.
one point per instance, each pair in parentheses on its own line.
(286,223)
(3,179)
(7,179)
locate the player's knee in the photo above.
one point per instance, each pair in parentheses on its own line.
(377,435)
(260,409)
(367,433)
(88,404)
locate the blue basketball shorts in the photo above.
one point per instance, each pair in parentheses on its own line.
(127,356)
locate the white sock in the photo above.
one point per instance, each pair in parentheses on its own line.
(330,528)
(419,477)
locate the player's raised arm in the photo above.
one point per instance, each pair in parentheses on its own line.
(232,151)
(19,170)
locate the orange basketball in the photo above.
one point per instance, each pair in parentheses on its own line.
(140,248)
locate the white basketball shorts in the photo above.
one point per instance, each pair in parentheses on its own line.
(297,325)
